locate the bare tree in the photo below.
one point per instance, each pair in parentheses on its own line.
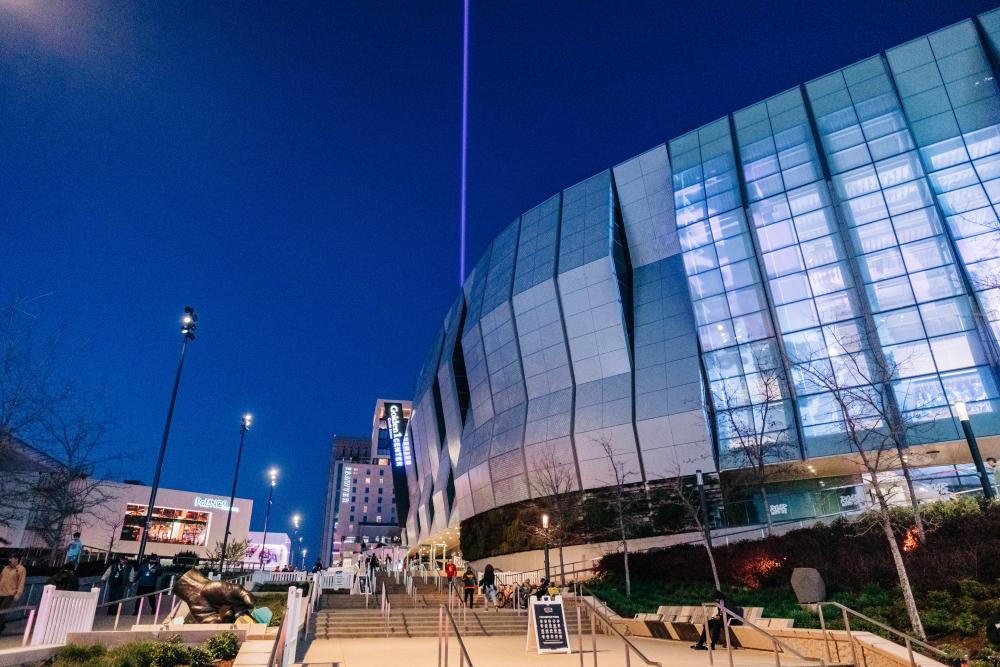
(678,490)
(620,498)
(857,386)
(236,551)
(753,419)
(553,483)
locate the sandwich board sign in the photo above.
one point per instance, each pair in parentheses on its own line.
(547,626)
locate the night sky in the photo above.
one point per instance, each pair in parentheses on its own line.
(291,170)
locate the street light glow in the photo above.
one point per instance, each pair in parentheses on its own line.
(545,521)
(247,420)
(961,411)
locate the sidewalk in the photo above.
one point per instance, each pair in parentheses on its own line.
(510,652)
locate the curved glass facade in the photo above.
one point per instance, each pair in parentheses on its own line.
(843,224)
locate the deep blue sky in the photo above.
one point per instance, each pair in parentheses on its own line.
(291,171)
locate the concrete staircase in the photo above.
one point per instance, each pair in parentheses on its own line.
(345,616)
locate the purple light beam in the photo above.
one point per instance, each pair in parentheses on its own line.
(465,137)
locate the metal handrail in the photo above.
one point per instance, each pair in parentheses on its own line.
(727,613)
(847,612)
(607,622)
(445,617)
(278,649)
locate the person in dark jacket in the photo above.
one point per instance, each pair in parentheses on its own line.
(65,579)
(489,584)
(147,578)
(117,578)
(713,627)
(469,586)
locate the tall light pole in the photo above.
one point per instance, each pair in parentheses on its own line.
(545,529)
(700,481)
(247,421)
(304,558)
(296,522)
(273,474)
(977,458)
(189,322)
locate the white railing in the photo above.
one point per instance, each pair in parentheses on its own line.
(264,577)
(62,612)
(293,617)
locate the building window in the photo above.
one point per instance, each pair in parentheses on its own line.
(381,473)
(352,519)
(378,518)
(380,492)
(352,508)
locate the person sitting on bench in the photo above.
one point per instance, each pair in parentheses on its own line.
(713,626)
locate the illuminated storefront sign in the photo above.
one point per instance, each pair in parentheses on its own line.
(345,486)
(213,503)
(168,525)
(397,432)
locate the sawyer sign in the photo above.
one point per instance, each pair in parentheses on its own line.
(547,626)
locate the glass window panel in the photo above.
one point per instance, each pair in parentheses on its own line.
(726,201)
(957,351)
(723,364)
(739,274)
(907,197)
(784,261)
(805,345)
(844,338)
(689,214)
(919,393)
(947,316)
(891,144)
(846,137)
(760,355)
(856,183)
(984,246)
(795,316)
(790,288)
(808,198)
(829,279)
(733,249)
(835,307)
(899,169)
(974,384)
(852,370)
(868,208)
(746,300)
(926,254)
(770,210)
(821,251)
(814,224)
(889,294)
(873,236)
(711,309)
(910,359)
(761,168)
(944,153)
(881,265)
(730,393)
(819,409)
(973,223)
(811,377)
(694,235)
(983,142)
(766,389)
(916,224)
(984,274)
(775,236)
(764,187)
(800,175)
(700,259)
(936,284)
(727,224)
(953,178)
(849,158)
(963,199)
(796,155)
(885,124)
(716,335)
(705,284)
(751,327)
(988,168)
(899,326)
(993,190)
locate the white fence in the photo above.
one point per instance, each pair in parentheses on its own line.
(264,577)
(62,612)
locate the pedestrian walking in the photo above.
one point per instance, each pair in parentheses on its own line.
(469,585)
(147,578)
(451,572)
(489,584)
(117,578)
(12,578)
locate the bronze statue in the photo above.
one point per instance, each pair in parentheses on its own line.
(212,601)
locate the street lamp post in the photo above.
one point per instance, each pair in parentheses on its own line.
(977,458)
(296,521)
(247,421)
(545,529)
(700,480)
(304,558)
(189,323)
(273,474)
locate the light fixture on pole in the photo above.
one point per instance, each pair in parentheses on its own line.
(304,558)
(700,481)
(296,522)
(247,421)
(273,474)
(189,322)
(977,458)
(545,530)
